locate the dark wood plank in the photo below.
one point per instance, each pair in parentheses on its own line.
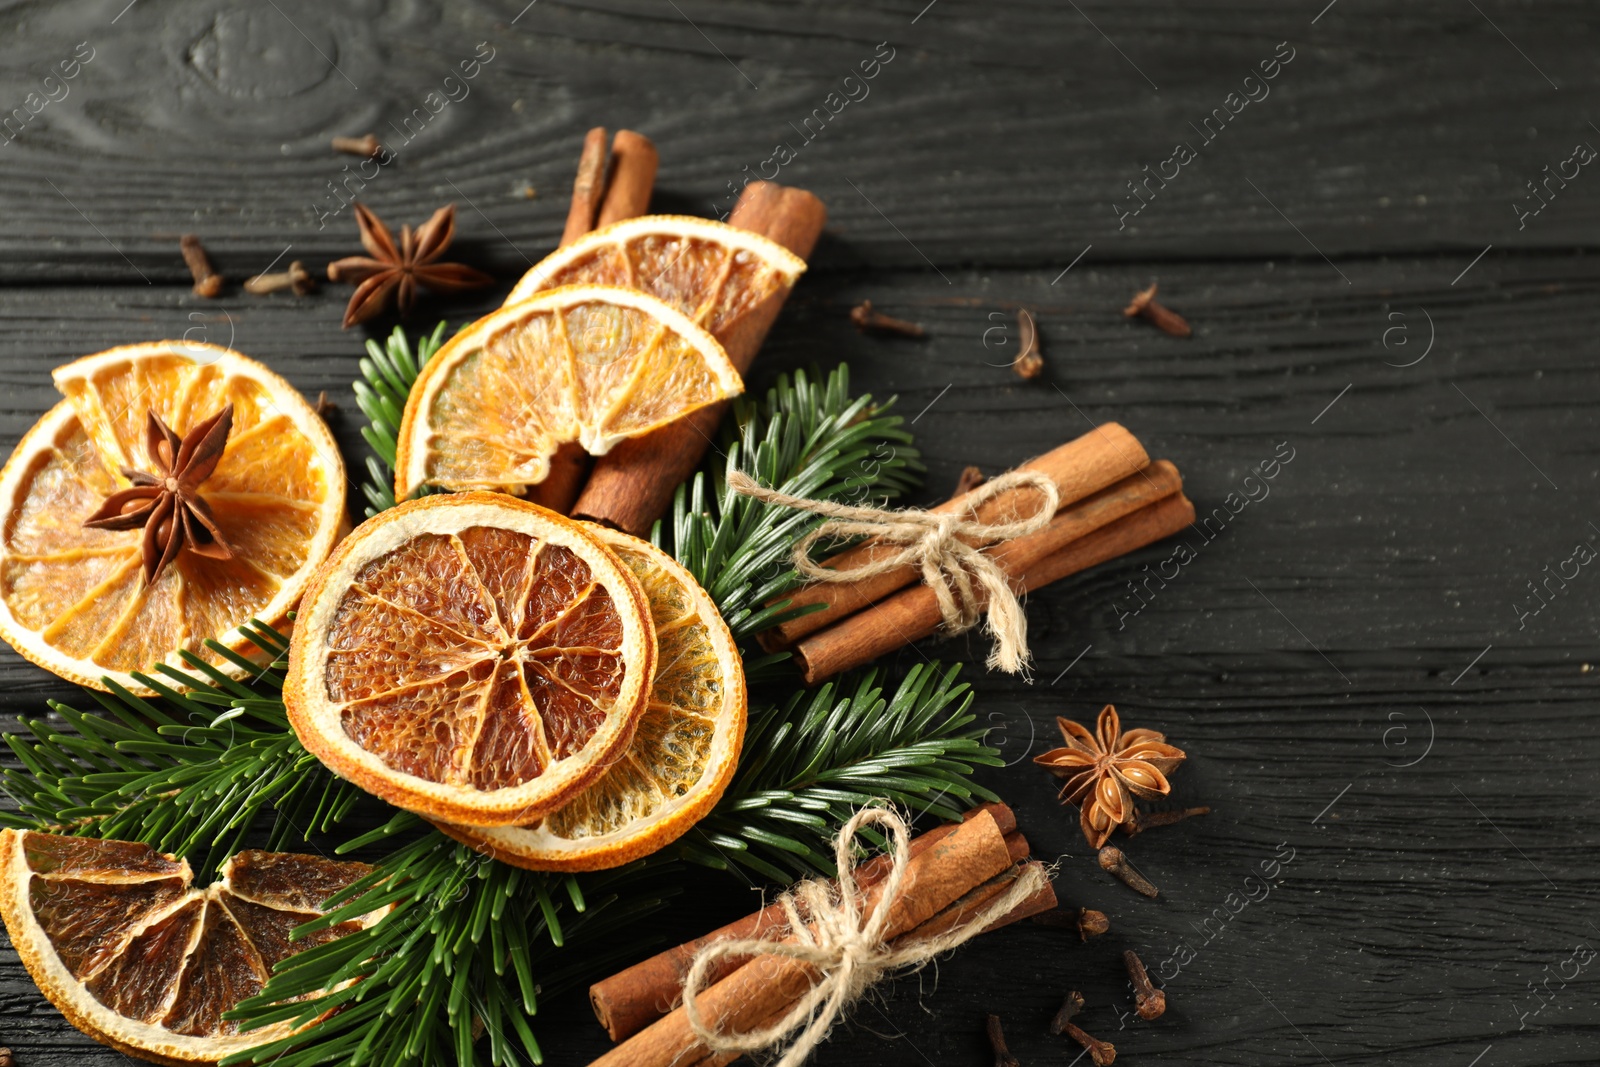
(999,134)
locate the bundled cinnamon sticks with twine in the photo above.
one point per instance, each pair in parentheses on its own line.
(754,983)
(1090,500)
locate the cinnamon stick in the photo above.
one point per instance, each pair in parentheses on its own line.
(632,999)
(970,855)
(913,614)
(632,485)
(1100,458)
(600,195)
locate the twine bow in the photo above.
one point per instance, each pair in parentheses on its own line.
(947,548)
(847,949)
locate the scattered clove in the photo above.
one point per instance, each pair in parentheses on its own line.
(1114,861)
(296,279)
(971,478)
(365,147)
(1029,361)
(1102,1053)
(324,407)
(1143,821)
(1092,923)
(1148,1001)
(1165,319)
(997,1041)
(1069,1007)
(5,1058)
(207,282)
(867,319)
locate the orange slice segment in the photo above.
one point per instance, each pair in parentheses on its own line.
(472,657)
(683,755)
(74,600)
(718,275)
(592,364)
(118,939)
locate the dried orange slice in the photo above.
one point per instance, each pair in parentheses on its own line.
(75,600)
(720,276)
(472,657)
(593,364)
(118,939)
(682,756)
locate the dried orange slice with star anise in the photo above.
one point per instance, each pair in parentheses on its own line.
(179,491)
(471,657)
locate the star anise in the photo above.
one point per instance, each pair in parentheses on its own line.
(395,270)
(167,502)
(1104,767)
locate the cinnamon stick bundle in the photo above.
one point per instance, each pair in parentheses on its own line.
(1100,458)
(631,486)
(940,876)
(634,998)
(601,194)
(1151,506)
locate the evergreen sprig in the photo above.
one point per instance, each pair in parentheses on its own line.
(387,375)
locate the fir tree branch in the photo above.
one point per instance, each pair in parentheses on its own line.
(388,374)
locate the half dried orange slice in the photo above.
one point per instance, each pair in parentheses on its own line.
(593,364)
(133,955)
(682,756)
(77,601)
(722,277)
(472,657)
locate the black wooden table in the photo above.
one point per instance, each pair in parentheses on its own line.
(1339,199)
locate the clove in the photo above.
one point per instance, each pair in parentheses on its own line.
(971,478)
(1069,1007)
(1151,820)
(868,319)
(365,147)
(1092,923)
(207,282)
(1148,1001)
(1164,318)
(1102,1053)
(997,1041)
(296,278)
(1114,861)
(1029,361)
(5,1058)
(324,407)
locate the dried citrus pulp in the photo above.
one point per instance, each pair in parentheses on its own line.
(718,275)
(78,601)
(136,957)
(471,657)
(590,363)
(682,756)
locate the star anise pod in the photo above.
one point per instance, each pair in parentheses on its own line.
(1104,767)
(396,269)
(167,502)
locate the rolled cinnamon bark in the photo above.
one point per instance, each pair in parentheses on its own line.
(632,999)
(631,486)
(913,614)
(1102,457)
(601,195)
(970,855)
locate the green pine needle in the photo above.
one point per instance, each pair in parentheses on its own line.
(387,375)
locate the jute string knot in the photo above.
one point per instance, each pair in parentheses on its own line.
(947,548)
(848,950)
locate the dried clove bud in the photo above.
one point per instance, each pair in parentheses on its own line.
(1148,1001)
(1103,1053)
(366,147)
(867,319)
(5,1058)
(997,1041)
(1113,861)
(1150,820)
(324,407)
(1092,923)
(1029,361)
(207,282)
(296,279)
(1069,1008)
(971,478)
(1165,319)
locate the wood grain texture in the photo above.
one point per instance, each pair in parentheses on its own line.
(1344,659)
